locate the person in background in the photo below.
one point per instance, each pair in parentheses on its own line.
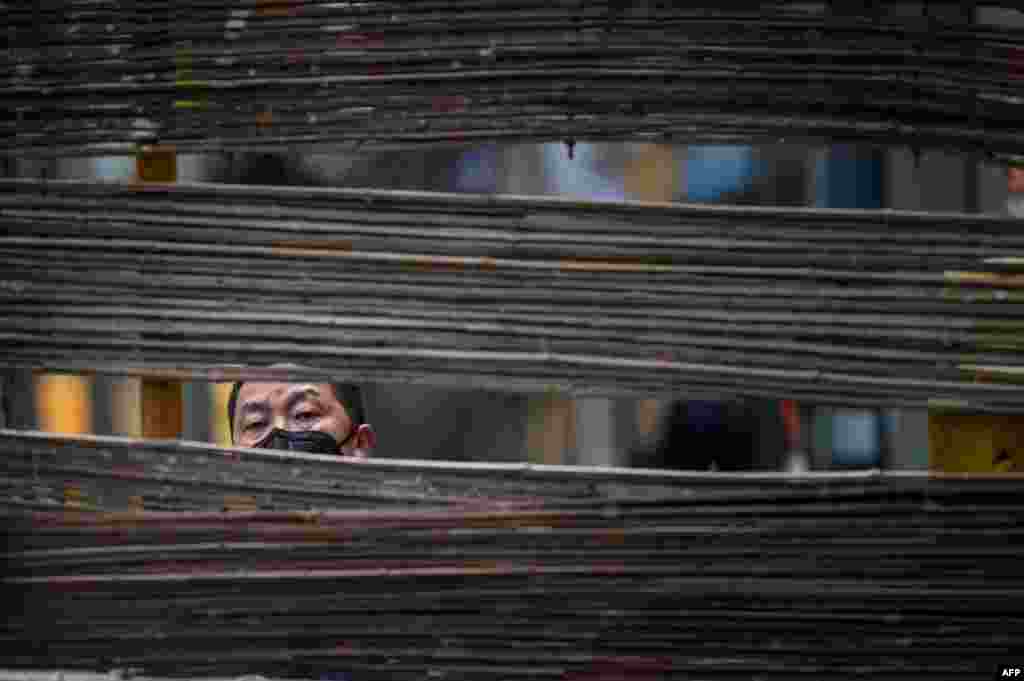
(316,418)
(740,435)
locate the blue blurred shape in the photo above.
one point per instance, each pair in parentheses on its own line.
(848,178)
(477,170)
(855,438)
(576,176)
(714,170)
(335,676)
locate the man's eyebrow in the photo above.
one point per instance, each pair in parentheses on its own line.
(254,406)
(298,395)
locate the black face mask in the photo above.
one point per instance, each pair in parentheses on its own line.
(308,441)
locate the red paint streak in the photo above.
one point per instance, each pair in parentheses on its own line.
(449,103)
(623,669)
(366,41)
(1016,59)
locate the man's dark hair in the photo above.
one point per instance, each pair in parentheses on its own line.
(349,394)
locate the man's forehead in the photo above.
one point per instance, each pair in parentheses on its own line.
(272,391)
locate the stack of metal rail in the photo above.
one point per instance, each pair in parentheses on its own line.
(92,474)
(515,293)
(582,574)
(97,77)
(186,560)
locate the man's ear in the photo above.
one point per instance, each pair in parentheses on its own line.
(363,442)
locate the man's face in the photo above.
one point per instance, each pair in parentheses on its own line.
(295,407)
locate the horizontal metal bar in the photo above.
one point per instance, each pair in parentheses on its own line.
(513,311)
(892,573)
(204,77)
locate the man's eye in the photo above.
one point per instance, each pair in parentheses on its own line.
(306,416)
(255,425)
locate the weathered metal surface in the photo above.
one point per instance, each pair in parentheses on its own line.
(597,573)
(514,293)
(117,675)
(88,78)
(111,473)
